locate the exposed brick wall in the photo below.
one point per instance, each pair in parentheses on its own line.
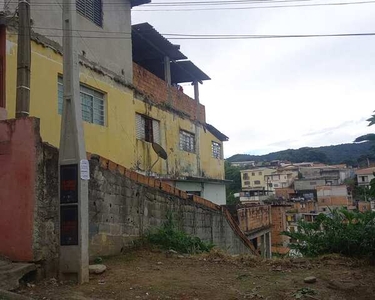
(284,193)
(333,201)
(364,206)
(254,217)
(278,216)
(159,92)
(304,207)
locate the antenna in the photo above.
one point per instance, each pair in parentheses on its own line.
(159,150)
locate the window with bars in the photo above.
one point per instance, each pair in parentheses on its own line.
(92,10)
(187,141)
(147,129)
(216,150)
(92,101)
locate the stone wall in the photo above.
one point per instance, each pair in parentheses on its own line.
(124,205)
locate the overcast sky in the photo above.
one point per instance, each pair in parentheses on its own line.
(270,95)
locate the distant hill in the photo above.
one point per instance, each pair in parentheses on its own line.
(350,154)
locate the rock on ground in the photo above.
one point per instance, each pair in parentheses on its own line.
(97,269)
(310,279)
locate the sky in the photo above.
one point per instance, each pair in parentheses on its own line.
(276,94)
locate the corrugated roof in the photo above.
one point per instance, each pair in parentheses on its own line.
(186,71)
(221,136)
(138,2)
(149,44)
(150,48)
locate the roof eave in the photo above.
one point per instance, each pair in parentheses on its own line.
(134,3)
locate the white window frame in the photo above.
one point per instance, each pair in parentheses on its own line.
(216,150)
(187,141)
(94,112)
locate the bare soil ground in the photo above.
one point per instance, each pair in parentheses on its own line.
(145,274)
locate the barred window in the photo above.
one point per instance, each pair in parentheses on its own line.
(93,106)
(245,176)
(147,129)
(216,150)
(187,141)
(92,10)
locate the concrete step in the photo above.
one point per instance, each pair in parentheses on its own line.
(11,273)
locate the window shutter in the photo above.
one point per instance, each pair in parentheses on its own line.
(156,131)
(140,127)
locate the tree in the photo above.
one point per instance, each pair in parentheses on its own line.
(349,233)
(367,137)
(232,173)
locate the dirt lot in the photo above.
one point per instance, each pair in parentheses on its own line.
(150,275)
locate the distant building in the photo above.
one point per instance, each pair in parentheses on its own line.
(254,179)
(243,164)
(280,180)
(333,197)
(364,176)
(333,175)
(364,206)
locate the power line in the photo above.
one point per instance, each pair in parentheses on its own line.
(242,8)
(256,7)
(172,36)
(237,2)
(35,4)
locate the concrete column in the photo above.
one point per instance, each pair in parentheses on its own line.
(263,246)
(167,70)
(268,245)
(196,91)
(73,166)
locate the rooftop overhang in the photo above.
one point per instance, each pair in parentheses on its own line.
(134,3)
(219,135)
(150,49)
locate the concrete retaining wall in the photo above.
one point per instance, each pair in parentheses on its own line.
(122,203)
(122,209)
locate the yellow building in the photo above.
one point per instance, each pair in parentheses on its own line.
(255,179)
(125,115)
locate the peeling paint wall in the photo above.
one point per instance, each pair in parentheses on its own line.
(117,139)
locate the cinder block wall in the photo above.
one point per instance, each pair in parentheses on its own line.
(122,210)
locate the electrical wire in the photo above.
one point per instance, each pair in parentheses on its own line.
(43,5)
(225,37)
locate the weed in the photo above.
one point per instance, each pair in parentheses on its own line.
(169,237)
(304,291)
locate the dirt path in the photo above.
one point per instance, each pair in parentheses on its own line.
(149,275)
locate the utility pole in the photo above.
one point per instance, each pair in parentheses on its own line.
(73,165)
(23,60)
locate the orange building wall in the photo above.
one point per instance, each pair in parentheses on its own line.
(278,217)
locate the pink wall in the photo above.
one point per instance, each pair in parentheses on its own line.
(18,163)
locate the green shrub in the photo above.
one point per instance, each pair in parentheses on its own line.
(169,237)
(349,233)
